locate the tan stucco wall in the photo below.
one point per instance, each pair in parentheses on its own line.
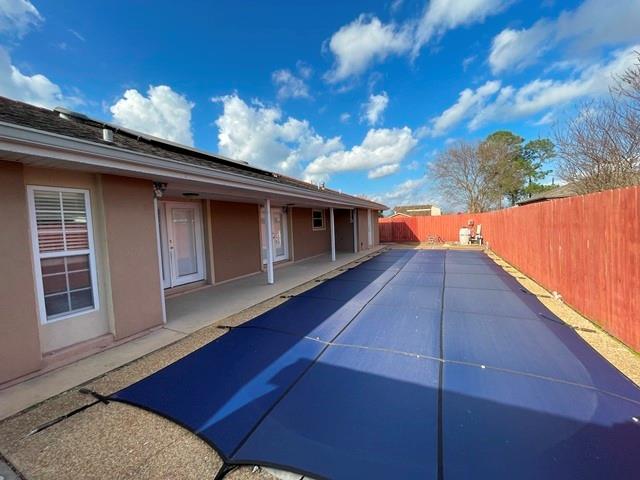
(130,221)
(19,342)
(363,236)
(235,229)
(344,230)
(63,333)
(306,241)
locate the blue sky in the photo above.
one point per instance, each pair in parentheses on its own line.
(360,95)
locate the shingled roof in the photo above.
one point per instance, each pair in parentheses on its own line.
(75,125)
(563,191)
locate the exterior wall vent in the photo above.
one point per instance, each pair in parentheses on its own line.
(107,135)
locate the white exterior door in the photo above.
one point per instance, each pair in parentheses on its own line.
(182,243)
(279,235)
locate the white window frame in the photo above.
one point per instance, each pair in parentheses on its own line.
(37,256)
(324,221)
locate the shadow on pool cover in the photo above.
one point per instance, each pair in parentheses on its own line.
(291,397)
(341,422)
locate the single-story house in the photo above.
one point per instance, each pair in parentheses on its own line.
(563,191)
(416,210)
(101,223)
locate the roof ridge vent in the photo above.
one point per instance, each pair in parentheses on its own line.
(69,114)
(107,135)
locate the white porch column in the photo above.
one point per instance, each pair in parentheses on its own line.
(333,235)
(369,229)
(355,230)
(267,221)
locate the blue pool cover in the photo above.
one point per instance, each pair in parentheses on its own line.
(427,364)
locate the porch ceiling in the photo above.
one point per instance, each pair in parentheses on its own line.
(228,194)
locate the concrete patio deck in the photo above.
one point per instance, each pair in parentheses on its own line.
(186,313)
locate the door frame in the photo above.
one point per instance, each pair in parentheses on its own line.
(169,268)
(285,234)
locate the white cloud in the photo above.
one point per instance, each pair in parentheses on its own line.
(519,48)
(415,165)
(546,119)
(493,102)
(162,113)
(261,135)
(375,107)
(395,5)
(383,171)
(77,35)
(304,69)
(365,41)
(541,95)
(35,89)
(380,147)
(468,102)
(442,15)
(17,17)
(466,62)
(290,85)
(345,117)
(593,24)
(258,134)
(362,42)
(414,191)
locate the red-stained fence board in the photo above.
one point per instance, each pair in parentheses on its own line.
(587,248)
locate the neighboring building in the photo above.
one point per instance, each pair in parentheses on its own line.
(563,191)
(100,223)
(416,210)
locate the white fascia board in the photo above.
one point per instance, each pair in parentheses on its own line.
(33,142)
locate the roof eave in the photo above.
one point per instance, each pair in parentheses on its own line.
(29,141)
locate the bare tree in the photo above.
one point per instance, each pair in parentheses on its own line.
(628,84)
(466,175)
(599,148)
(503,171)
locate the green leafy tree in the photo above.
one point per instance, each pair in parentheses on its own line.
(536,154)
(517,167)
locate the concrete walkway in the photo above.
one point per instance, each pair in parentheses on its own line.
(186,314)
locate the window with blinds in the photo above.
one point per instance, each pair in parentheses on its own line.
(63,247)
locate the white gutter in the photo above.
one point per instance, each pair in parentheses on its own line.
(33,142)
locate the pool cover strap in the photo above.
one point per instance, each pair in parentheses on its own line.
(391,370)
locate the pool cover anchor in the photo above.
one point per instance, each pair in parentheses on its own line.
(99,399)
(224,470)
(98,396)
(535,294)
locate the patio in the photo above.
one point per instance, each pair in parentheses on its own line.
(186,313)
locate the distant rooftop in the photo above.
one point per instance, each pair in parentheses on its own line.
(417,210)
(563,191)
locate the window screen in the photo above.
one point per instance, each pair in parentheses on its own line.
(61,221)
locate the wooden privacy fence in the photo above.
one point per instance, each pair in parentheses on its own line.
(587,248)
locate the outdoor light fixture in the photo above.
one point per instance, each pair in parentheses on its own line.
(158,189)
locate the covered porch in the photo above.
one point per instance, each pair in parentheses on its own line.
(186,313)
(193,310)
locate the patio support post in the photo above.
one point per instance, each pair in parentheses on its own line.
(267,221)
(333,235)
(355,230)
